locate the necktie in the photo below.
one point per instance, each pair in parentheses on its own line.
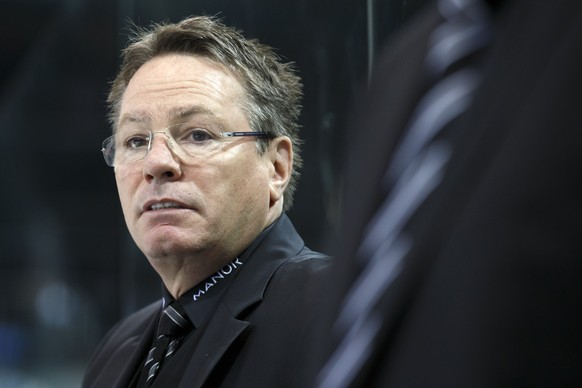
(414,172)
(172,327)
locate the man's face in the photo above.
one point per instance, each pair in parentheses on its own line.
(219,203)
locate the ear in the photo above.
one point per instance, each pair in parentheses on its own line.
(281,164)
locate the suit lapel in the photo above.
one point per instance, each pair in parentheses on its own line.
(132,356)
(213,342)
(125,358)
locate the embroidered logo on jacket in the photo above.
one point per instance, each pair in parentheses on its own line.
(212,280)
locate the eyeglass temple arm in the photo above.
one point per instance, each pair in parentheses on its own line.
(239,134)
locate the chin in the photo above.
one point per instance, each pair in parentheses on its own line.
(169,243)
(166,250)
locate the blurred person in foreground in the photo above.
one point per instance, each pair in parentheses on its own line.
(460,257)
(205,151)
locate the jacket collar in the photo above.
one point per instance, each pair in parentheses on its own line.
(243,295)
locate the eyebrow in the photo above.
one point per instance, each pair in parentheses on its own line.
(136,117)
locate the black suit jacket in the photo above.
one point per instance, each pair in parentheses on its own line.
(491,293)
(251,340)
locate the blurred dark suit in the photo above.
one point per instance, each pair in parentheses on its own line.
(490,295)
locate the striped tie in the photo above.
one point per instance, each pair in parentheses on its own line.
(173,326)
(415,170)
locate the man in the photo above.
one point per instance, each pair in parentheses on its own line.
(206,158)
(460,257)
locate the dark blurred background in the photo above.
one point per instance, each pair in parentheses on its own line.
(68,268)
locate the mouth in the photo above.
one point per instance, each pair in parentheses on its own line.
(161,205)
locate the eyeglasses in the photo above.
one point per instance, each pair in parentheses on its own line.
(129,146)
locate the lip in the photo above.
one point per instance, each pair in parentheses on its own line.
(147,207)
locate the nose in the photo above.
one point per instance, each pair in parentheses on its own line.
(160,162)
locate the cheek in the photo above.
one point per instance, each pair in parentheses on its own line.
(236,189)
(252,185)
(125,191)
(237,170)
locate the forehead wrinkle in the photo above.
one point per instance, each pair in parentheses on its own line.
(185,112)
(174,114)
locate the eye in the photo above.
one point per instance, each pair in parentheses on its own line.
(198,135)
(136,142)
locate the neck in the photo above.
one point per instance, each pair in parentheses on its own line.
(181,273)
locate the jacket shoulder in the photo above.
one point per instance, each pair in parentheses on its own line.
(305,263)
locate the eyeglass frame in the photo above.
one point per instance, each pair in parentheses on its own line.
(110,160)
